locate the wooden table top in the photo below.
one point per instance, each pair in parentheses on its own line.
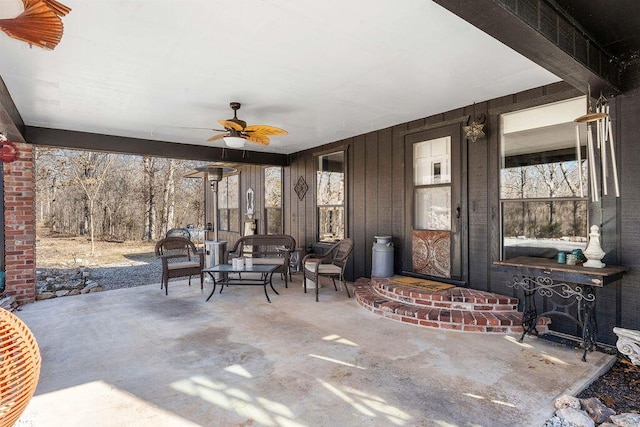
(536,266)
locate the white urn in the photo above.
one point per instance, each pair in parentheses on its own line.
(594,252)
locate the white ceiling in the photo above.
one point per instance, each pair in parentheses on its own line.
(323,70)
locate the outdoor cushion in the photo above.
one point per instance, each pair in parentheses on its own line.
(277,260)
(182,264)
(329,269)
(323,268)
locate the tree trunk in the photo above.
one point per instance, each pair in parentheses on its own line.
(84,224)
(53,217)
(168,197)
(91,228)
(148,164)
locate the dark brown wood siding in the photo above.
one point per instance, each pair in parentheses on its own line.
(376,199)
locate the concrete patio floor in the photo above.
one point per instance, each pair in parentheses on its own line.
(135,357)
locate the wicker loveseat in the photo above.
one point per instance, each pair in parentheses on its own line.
(265,249)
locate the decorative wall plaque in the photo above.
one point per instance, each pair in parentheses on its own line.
(301,187)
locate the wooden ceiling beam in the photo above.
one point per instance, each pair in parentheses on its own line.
(124,145)
(540,33)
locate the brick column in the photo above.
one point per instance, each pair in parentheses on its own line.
(20,226)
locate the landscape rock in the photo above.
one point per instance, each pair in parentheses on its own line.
(45,295)
(607,425)
(8,303)
(567,401)
(597,410)
(55,283)
(556,421)
(626,420)
(577,417)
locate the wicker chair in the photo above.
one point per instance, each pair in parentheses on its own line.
(19,367)
(265,249)
(331,264)
(180,258)
(179,232)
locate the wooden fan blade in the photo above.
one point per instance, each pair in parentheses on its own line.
(57,7)
(228,124)
(258,139)
(37,25)
(216,137)
(266,130)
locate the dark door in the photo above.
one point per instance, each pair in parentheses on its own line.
(434,206)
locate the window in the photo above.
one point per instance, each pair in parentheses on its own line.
(229,203)
(432,184)
(273,200)
(543,180)
(330,196)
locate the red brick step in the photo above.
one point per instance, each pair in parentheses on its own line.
(455,308)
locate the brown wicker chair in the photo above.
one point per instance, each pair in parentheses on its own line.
(180,258)
(19,367)
(331,264)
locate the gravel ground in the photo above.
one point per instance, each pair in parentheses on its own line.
(114,276)
(127,276)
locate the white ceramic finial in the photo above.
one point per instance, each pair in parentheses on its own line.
(594,252)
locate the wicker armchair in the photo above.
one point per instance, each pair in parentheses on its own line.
(180,258)
(20,367)
(331,264)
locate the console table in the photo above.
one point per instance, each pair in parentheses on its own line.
(575,283)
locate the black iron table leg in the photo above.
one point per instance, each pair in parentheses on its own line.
(587,319)
(529,314)
(271,284)
(214,286)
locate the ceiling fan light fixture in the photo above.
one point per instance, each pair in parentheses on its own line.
(234,141)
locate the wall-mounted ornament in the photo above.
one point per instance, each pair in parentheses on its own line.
(39,24)
(301,188)
(475,130)
(250,199)
(8,150)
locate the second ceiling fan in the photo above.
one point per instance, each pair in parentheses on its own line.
(237,131)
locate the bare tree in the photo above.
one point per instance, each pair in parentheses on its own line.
(168,198)
(90,171)
(149,170)
(125,205)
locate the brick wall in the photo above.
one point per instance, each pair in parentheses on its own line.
(19,225)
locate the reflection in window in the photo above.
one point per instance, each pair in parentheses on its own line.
(433,208)
(330,197)
(273,199)
(543,186)
(229,203)
(432,184)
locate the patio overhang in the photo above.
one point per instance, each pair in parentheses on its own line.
(126,145)
(543,33)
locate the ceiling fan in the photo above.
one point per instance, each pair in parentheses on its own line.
(237,131)
(39,24)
